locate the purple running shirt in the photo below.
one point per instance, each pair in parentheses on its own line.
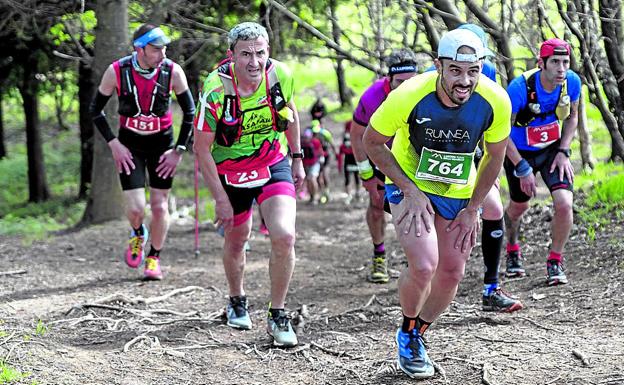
(371,100)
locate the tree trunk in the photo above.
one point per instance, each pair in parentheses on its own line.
(375,12)
(106,198)
(37,185)
(450,14)
(86,90)
(2,147)
(601,83)
(587,160)
(430,31)
(344,91)
(610,12)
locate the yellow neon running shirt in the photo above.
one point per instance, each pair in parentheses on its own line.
(421,124)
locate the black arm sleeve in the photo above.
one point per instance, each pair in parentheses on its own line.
(185,100)
(99,119)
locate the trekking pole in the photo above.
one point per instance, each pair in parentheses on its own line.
(196,206)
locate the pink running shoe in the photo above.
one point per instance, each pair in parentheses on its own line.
(152,270)
(136,248)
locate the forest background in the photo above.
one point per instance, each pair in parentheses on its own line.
(54,52)
(57,176)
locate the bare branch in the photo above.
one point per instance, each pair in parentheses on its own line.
(424,4)
(196,23)
(318,34)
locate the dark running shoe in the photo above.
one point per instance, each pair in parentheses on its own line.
(555,274)
(413,359)
(281,330)
(237,314)
(514,265)
(501,301)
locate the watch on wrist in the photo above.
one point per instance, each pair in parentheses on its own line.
(297,155)
(180,149)
(565,151)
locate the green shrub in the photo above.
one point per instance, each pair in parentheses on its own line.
(9,374)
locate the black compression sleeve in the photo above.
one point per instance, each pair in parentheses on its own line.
(99,119)
(185,100)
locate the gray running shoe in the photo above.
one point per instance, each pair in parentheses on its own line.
(514,265)
(237,315)
(501,301)
(413,359)
(281,330)
(555,274)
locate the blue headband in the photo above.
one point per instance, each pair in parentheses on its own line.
(151,36)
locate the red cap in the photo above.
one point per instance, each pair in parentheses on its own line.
(554,47)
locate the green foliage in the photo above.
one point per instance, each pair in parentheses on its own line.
(604,190)
(83,24)
(8,374)
(604,174)
(136,11)
(34,220)
(316,75)
(41,329)
(608,192)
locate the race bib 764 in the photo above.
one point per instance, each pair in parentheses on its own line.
(447,167)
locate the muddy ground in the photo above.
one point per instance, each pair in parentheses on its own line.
(100,324)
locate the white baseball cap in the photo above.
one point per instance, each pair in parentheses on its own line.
(452,41)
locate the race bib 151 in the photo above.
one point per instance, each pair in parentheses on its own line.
(143,124)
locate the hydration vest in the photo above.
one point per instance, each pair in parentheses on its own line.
(533,109)
(128,98)
(307,148)
(230,124)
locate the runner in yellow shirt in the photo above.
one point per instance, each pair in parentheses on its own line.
(433,188)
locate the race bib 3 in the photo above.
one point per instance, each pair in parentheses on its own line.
(544,135)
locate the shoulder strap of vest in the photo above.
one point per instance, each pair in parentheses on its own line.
(275,89)
(225,75)
(231,100)
(165,75)
(530,78)
(125,61)
(125,76)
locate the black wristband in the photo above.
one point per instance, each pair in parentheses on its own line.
(297,155)
(185,100)
(99,119)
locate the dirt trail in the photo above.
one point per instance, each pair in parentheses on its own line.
(346,336)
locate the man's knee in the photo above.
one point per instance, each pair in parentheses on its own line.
(135,211)
(235,244)
(421,272)
(376,212)
(562,206)
(451,275)
(283,241)
(492,208)
(516,209)
(160,209)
